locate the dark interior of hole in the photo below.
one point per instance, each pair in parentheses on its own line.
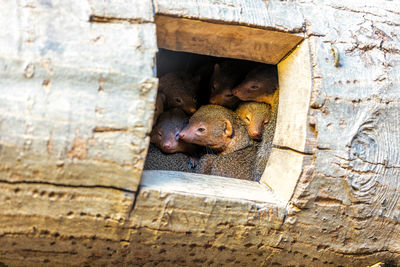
(171,61)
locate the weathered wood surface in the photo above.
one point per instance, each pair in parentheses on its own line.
(345,208)
(75,96)
(277,15)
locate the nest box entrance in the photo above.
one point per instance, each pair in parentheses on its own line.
(196,41)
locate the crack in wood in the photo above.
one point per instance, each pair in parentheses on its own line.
(103,129)
(101,19)
(68,185)
(293,150)
(49,251)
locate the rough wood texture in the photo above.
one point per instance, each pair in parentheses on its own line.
(277,15)
(220,40)
(294,100)
(291,138)
(119,10)
(75,104)
(345,207)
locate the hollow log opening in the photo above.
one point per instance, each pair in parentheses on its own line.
(208,63)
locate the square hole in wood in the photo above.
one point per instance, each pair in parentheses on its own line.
(200,50)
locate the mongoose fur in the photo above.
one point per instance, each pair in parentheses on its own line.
(180,89)
(224,132)
(165,133)
(157,160)
(159,106)
(256,116)
(259,85)
(225,77)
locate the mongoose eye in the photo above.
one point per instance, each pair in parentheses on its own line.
(201,129)
(229,95)
(195,99)
(247,118)
(254,87)
(177,135)
(178,100)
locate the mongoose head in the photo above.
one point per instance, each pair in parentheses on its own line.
(256,116)
(165,134)
(159,106)
(180,89)
(259,85)
(216,127)
(222,82)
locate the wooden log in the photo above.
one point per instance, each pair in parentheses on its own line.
(75,108)
(83,211)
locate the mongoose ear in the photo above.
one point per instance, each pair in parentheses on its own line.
(216,67)
(228,128)
(162,96)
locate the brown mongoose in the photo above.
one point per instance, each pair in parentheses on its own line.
(224,132)
(259,85)
(157,160)
(225,77)
(256,116)
(165,133)
(265,146)
(180,89)
(159,106)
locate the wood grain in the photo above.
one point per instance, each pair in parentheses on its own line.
(374,175)
(215,39)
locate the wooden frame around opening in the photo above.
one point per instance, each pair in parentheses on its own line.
(289,52)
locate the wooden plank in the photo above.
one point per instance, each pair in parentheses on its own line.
(280,15)
(214,39)
(282,172)
(295,85)
(208,185)
(181,202)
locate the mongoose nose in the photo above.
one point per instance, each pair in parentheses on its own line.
(255,134)
(167,146)
(192,110)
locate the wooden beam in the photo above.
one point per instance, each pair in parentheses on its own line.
(222,40)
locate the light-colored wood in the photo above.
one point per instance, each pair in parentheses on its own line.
(53,209)
(282,172)
(279,15)
(215,39)
(57,67)
(294,74)
(292,124)
(75,97)
(134,11)
(209,185)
